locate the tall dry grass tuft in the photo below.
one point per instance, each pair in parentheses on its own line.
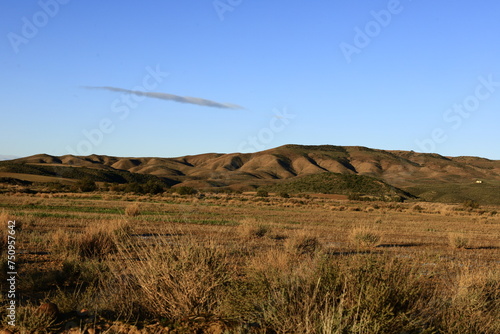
(364,237)
(121,228)
(29,319)
(96,241)
(171,277)
(132,210)
(61,244)
(472,303)
(251,228)
(3,242)
(5,217)
(303,243)
(367,294)
(3,233)
(458,240)
(101,239)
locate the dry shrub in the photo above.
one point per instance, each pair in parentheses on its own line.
(271,260)
(5,217)
(172,278)
(61,243)
(132,210)
(365,237)
(458,240)
(3,241)
(119,227)
(30,320)
(366,294)
(96,240)
(418,208)
(96,244)
(302,243)
(472,304)
(251,228)
(81,297)
(3,236)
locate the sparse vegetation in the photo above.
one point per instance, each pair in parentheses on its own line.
(470,204)
(458,240)
(132,210)
(362,236)
(31,320)
(182,265)
(358,187)
(262,193)
(96,242)
(4,219)
(303,244)
(183,190)
(284,194)
(86,185)
(251,228)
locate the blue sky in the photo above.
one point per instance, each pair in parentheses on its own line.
(416,75)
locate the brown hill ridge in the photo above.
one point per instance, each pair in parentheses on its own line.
(428,176)
(239,171)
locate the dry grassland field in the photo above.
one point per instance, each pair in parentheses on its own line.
(240,263)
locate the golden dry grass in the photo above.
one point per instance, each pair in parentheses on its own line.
(184,258)
(458,240)
(132,210)
(364,237)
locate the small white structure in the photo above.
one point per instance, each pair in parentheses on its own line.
(479,181)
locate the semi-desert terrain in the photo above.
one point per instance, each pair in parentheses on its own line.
(293,240)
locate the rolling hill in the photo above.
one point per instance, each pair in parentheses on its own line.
(451,178)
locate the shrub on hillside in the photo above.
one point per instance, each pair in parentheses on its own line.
(152,187)
(262,193)
(134,187)
(470,204)
(284,194)
(183,190)
(86,185)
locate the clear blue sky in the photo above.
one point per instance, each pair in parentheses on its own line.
(381,74)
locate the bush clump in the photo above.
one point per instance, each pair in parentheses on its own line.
(262,193)
(132,210)
(458,240)
(184,190)
(365,237)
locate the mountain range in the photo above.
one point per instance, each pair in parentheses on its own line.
(424,175)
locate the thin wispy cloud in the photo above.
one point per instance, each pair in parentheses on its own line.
(172,97)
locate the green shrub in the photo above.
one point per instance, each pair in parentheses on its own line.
(184,190)
(284,194)
(86,185)
(152,187)
(470,204)
(135,188)
(262,193)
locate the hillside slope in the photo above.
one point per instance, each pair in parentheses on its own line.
(237,171)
